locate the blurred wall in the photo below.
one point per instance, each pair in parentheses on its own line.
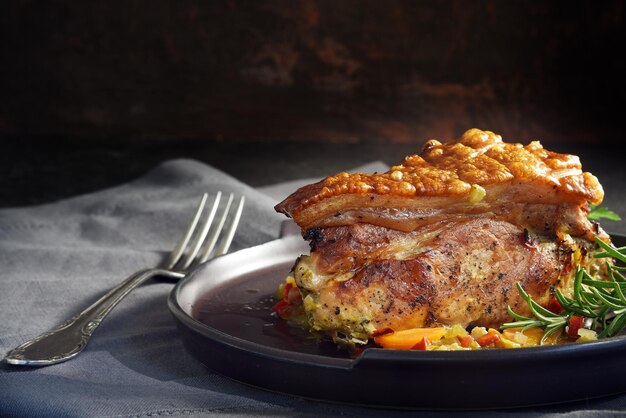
(316,69)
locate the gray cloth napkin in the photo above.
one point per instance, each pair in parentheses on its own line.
(57,258)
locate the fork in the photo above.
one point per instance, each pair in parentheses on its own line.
(195,247)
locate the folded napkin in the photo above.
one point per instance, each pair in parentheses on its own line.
(57,258)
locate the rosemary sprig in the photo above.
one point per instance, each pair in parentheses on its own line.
(602,301)
(543,318)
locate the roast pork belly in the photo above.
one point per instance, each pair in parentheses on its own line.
(443,237)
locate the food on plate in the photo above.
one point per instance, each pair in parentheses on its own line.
(445,245)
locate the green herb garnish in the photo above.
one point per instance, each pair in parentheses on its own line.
(604,302)
(549,321)
(598,212)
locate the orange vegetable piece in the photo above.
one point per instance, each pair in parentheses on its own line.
(465,341)
(534,335)
(407,339)
(491,337)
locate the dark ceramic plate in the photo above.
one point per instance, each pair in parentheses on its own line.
(223,312)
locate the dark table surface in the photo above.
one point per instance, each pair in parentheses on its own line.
(35,171)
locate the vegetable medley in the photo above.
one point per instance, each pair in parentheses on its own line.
(289,307)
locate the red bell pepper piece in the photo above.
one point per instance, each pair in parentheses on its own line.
(422,345)
(554,306)
(574,324)
(282,308)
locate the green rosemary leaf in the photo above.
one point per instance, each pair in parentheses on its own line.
(610,301)
(618,270)
(616,286)
(537,310)
(578,279)
(616,325)
(516,316)
(549,331)
(524,325)
(582,294)
(610,251)
(619,277)
(521,321)
(605,285)
(573,306)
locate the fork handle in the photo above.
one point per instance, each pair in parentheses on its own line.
(70,338)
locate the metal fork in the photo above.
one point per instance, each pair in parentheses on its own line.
(195,246)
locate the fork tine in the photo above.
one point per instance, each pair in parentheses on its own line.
(201,236)
(206,252)
(230,233)
(178,251)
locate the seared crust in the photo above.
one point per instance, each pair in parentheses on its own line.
(446,174)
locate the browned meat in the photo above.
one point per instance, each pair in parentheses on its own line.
(462,272)
(442,238)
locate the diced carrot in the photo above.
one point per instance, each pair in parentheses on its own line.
(489,338)
(465,341)
(408,338)
(422,345)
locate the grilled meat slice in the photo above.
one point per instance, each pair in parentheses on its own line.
(442,238)
(474,175)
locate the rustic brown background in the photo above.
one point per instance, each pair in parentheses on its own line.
(95,93)
(399,71)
